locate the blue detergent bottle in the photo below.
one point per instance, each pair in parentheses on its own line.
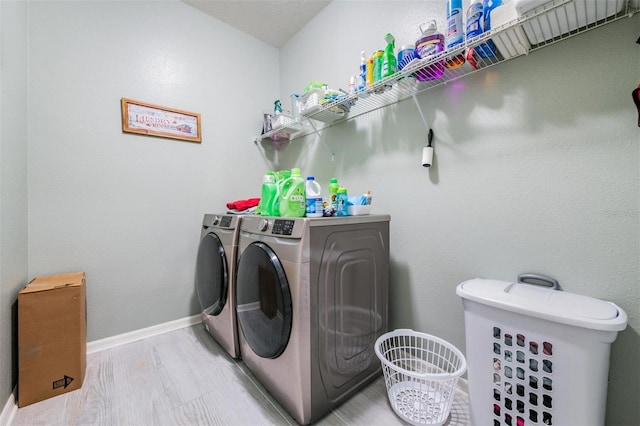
(475,27)
(343,201)
(488,49)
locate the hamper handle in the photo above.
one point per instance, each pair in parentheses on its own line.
(536,279)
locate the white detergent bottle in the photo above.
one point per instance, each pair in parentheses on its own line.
(314,197)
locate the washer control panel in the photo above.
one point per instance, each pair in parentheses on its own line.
(279,227)
(282,227)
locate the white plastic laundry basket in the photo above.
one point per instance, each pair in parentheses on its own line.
(421,374)
(536,356)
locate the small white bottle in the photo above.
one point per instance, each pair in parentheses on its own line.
(314,198)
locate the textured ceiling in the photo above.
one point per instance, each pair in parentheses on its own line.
(272,21)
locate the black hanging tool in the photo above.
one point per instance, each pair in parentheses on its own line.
(636,94)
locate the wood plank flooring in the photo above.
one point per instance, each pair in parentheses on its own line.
(185,378)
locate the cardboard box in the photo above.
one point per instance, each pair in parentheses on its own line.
(52,337)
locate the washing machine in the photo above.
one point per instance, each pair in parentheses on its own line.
(215,278)
(312,298)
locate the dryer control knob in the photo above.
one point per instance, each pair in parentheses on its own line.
(263,225)
(216,220)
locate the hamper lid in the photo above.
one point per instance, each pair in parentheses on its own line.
(541,302)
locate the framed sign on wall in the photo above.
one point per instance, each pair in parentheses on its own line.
(155,120)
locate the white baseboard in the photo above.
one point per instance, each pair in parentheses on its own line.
(143,333)
(10,408)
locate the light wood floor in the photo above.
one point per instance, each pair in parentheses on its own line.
(185,378)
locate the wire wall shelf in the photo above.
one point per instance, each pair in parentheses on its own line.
(545,25)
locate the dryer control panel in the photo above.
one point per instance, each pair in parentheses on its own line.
(220,221)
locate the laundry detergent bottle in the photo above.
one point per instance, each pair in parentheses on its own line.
(269,195)
(292,195)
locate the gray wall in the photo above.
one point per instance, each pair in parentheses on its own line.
(127,208)
(124,208)
(537,169)
(13,181)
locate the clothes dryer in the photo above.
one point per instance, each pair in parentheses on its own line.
(215,278)
(312,298)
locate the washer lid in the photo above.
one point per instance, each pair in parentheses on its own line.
(540,302)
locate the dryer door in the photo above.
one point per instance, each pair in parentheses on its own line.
(212,280)
(263,301)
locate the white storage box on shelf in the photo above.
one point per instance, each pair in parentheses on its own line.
(421,374)
(565,18)
(513,41)
(311,105)
(281,120)
(537,356)
(284,127)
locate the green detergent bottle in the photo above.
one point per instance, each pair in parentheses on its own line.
(269,196)
(293,202)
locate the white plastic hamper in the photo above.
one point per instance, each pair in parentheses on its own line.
(536,356)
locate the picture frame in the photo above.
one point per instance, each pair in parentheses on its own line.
(155,120)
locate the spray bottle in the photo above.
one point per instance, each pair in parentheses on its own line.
(362,77)
(389,62)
